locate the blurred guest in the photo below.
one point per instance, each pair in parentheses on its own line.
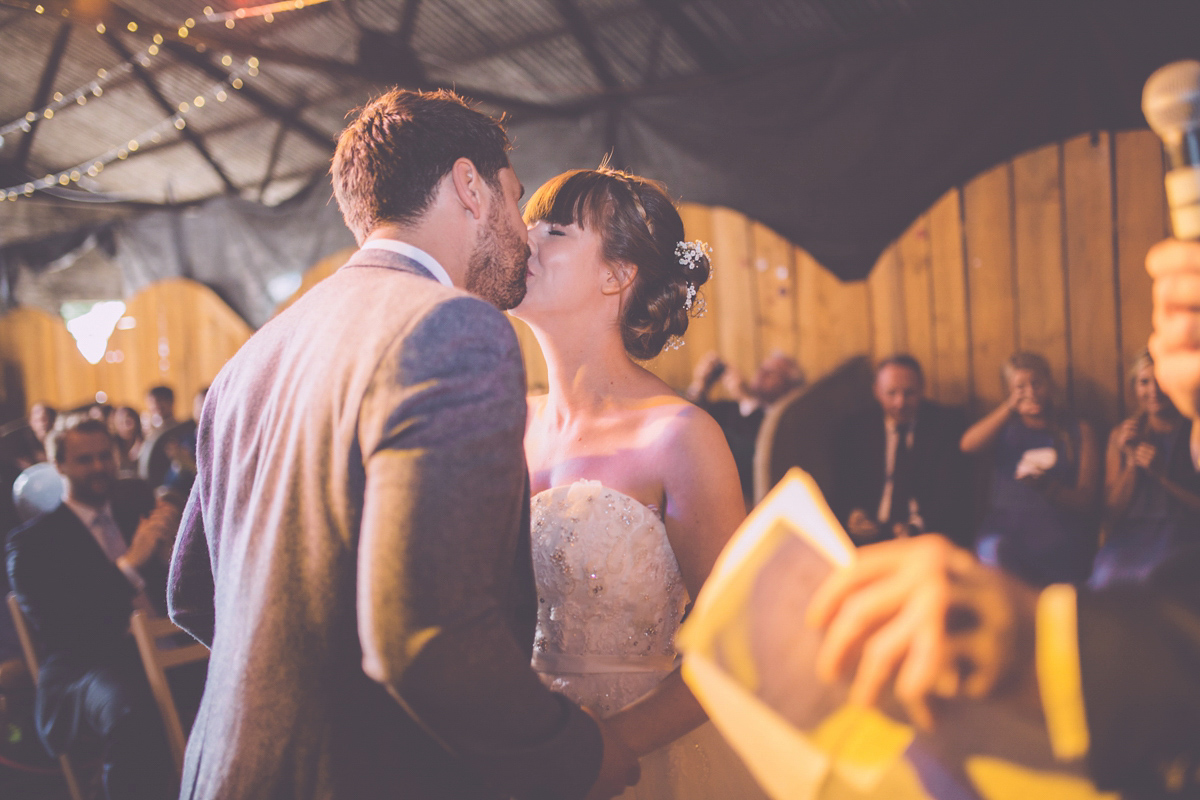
(160,410)
(1041,517)
(78,572)
(41,421)
(897,467)
(100,411)
(1152,489)
(181,449)
(742,414)
(126,428)
(159,427)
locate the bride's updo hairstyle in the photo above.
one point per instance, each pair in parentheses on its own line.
(638,225)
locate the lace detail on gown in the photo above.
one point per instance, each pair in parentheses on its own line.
(610,600)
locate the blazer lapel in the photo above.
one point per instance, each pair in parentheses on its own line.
(76,539)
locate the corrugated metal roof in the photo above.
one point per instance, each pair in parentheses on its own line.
(523,50)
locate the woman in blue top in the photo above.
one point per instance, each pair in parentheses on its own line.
(1041,519)
(1151,489)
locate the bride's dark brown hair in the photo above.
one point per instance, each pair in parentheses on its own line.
(639,226)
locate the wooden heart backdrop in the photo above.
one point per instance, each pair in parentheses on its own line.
(1043,252)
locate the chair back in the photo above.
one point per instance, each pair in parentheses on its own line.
(799,429)
(24,635)
(31,661)
(151,633)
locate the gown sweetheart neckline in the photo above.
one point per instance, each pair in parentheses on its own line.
(651,507)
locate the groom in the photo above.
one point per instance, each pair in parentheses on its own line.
(356,549)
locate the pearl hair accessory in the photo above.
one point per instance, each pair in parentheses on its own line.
(690,253)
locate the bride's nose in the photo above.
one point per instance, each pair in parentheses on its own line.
(533,243)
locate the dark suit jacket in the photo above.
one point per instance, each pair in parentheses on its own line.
(1139,653)
(76,600)
(941,481)
(355,551)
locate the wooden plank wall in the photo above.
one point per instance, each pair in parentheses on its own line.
(177,333)
(1042,252)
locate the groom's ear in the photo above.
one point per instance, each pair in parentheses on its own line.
(617,277)
(468,186)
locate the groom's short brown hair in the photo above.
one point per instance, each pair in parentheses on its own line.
(390,158)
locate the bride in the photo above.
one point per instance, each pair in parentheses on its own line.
(634,489)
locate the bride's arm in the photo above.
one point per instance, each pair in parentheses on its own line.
(703,507)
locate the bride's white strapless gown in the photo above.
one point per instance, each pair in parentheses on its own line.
(610,599)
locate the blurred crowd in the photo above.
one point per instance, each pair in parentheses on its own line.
(155,454)
(1029,487)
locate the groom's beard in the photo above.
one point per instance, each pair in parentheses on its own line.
(497,268)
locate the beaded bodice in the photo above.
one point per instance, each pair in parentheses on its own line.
(609,587)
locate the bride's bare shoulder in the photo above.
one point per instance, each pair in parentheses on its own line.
(681,421)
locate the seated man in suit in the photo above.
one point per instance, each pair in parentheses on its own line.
(897,467)
(79,571)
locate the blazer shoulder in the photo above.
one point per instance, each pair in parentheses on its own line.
(52,520)
(32,534)
(458,319)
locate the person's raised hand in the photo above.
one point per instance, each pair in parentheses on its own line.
(619,768)
(1143,455)
(154,534)
(1175,344)
(924,617)
(1127,433)
(705,375)
(861,527)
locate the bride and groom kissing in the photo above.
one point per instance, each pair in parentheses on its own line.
(385,532)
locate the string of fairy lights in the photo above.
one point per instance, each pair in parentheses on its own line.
(90,168)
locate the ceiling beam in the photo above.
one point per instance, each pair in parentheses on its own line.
(143,75)
(387,56)
(654,54)
(42,96)
(276,151)
(259,99)
(584,34)
(697,44)
(11,18)
(408,20)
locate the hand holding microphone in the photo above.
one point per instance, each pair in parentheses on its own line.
(1171,102)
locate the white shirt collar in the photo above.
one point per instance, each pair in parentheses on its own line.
(415,253)
(87,514)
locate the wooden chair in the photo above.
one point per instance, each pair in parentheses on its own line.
(31,660)
(148,631)
(799,429)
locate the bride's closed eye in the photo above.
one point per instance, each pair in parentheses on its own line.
(556,231)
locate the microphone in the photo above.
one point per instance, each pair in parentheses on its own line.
(1171,103)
